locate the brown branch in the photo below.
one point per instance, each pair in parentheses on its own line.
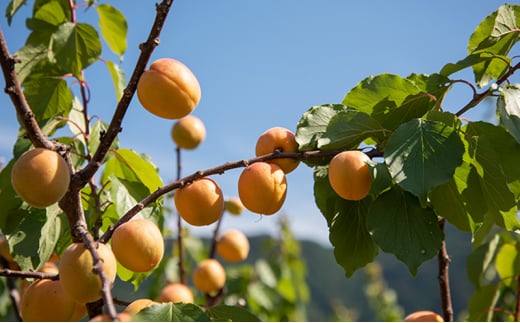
(479,97)
(444,279)
(180,248)
(27,274)
(115,125)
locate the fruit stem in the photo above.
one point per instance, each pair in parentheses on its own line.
(444,279)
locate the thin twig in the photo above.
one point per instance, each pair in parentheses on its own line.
(444,279)
(182,270)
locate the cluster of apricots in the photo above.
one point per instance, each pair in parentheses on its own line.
(168,89)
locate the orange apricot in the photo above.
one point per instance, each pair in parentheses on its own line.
(349,175)
(200,202)
(282,139)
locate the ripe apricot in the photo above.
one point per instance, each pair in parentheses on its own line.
(49,268)
(282,139)
(45,300)
(262,188)
(349,175)
(138,305)
(234,206)
(168,89)
(188,132)
(423,316)
(209,276)
(40,177)
(138,245)
(77,271)
(200,202)
(233,246)
(176,293)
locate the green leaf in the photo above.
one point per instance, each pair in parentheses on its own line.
(75,47)
(118,78)
(227,313)
(354,247)
(508,105)
(313,124)
(47,17)
(422,154)
(402,227)
(508,263)
(169,312)
(483,58)
(480,260)
(381,178)
(113,28)
(11,212)
(348,128)
(97,133)
(130,166)
(12,8)
(30,56)
(482,303)
(495,35)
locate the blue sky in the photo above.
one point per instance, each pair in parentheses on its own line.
(263,64)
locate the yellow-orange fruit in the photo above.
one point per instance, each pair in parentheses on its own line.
(49,268)
(176,293)
(138,305)
(168,89)
(349,175)
(282,139)
(209,276)
(234,206)
(200,202)
(262,188)
(138,245)
(233,246)
(423,316)
(45,300)
(41,177)
(79,312)
(77,275)
(188,132)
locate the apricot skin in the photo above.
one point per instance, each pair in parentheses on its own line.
(262,188)
(176,293)
(168,89)
(209,276)
(200,202)
(45,300)
(40,177)
(233,246)
(423,316)
(234,206)
(137,305)
(188,132)
(138,245)
(282,139)
(77,275)
(349,175)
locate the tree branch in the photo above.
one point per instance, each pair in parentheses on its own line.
(444,279)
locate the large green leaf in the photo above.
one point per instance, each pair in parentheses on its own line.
(169,312)
(113,27)
(11,212)
(482,303)
(353,244)
(48,16)
(481,260)
(228,313)
(75,47)
(402,227)
(118,78)
(495,35)
(32,54)
(508,105)
(422,154)
(507,263)
(482,58)
(347,129)
(313,125)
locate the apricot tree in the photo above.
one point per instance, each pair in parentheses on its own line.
(427,165)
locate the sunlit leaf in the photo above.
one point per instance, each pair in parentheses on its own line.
(169,312)
(12,8)
(227,313)
(508,263)
(482,303)
(508,105)
(118,78)
(480,260)
(113,27)
(48,96)
(422,154)
(405,229)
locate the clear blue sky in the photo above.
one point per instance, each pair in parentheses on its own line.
(263,64)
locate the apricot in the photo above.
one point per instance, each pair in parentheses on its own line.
(188,132)
(200,202)
(349,175)
(176,293)
(40,177)
(282,139)
(138,245)
(79,312)
(233,246)
(138,305)
(234,206)
(209,276)
(49,268)
(262,188)
(168,89)
(423,316)
(121,317)
(45,300)
(77,273)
